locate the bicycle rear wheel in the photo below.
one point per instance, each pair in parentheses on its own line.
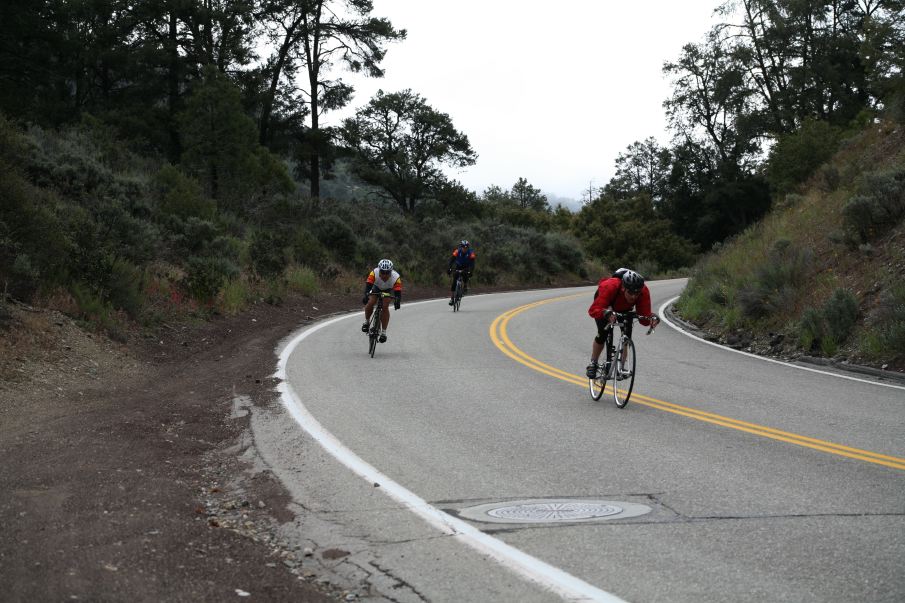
(624,373)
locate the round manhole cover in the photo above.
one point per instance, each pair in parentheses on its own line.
(553,510)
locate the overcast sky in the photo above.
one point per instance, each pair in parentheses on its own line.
(549,91)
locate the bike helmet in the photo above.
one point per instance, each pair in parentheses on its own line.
(385,265)
(463,243)
(632,281)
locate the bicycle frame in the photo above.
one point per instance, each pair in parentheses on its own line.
(374,323)
(460,288)
(620,360)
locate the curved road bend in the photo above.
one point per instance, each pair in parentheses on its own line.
(764,482)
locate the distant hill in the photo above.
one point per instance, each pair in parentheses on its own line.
(823,274)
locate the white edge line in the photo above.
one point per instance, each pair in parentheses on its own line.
(565,585)
(794,366)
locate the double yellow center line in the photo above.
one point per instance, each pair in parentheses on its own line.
(500,338)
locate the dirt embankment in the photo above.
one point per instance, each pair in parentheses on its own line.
(122,478)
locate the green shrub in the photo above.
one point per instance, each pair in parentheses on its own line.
(234,296)
(878,206)
(336,235)
(776,281)
(181,195)
(307,250)
(885,338)
(267,253)
(840,313)
(301,279)
(124,288)
(810,329)
(206,275)
(797,155)
(829,327)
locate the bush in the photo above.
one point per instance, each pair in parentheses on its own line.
(878,206)
(180,195)
(234,296)
(206,275)
(307,250)
(885,339)
(124,288)
(336,235)
(776,281)
(827,328)
(840,313)
(301,279)
(267,253)
(797,155)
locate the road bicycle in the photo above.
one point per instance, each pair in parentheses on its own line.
(459,290)
(620,367)
(374,324)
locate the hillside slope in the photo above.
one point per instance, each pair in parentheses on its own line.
(823,274)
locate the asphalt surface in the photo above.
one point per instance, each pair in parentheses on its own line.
(764,482)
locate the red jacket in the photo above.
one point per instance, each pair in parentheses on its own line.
(610,295)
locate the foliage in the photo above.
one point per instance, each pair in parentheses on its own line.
(825,329)
(629,232)
(319,34)
(220,147)
(878,206)
(776,282)
(885,336)
(207,275)
(337,235)
(267,253)
(796,155)
(301,279)
(180,195)
(401,143)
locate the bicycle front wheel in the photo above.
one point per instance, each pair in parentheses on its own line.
(624,374)
(597,385)
(374,330)
(458,300)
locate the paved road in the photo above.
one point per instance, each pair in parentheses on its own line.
(763,482)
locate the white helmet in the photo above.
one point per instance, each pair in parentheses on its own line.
(385,265)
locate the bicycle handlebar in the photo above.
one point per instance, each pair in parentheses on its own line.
(381,293)
(630,316)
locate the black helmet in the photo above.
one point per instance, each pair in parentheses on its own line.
(632,281)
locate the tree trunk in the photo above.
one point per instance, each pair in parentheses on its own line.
(267,107)
(175,150)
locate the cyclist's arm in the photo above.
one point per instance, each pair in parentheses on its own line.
(604,298)
(642,307)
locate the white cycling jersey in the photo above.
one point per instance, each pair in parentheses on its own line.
(384,285)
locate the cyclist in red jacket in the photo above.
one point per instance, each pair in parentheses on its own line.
(622,292)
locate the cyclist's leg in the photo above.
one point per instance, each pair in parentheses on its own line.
(369,308)
(385,315)
(597,346)
(384,318)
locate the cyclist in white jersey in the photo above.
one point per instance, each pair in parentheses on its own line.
(382,279)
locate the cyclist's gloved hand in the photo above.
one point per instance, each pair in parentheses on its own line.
(364,300)
(610,316)
(449,271)
(397,299)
